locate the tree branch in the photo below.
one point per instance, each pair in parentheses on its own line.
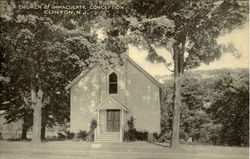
(168,67)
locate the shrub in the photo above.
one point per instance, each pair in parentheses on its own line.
(69,135)
(92,128)
(61,136)
(156,136)
(65,135)
(82,135)
(141,136)
(52,138)
(87,136)
(183,136)
(132,134)
(166,137)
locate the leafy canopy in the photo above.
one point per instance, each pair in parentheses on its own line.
(195,24)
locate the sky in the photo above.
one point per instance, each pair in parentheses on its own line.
(239,37)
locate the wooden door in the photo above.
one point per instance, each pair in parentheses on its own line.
(113,120)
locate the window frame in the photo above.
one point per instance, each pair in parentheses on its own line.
(110,83)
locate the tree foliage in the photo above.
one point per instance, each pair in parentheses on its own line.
(33,62)
(230,107)
(189,30)
(214,107)
(41,54)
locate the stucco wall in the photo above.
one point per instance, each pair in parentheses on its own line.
(120,96)
(143,100)
(102,123)
(135,91)
(85,95)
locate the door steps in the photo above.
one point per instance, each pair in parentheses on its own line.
(108,137)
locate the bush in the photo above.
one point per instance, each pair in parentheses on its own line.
(69,135)
(166,137)
(132,134)
(65,135)
(82,135)
(52,138)
(128,136)
(141,136)
(61,136)
(156,136)
(87,136)
(92,128)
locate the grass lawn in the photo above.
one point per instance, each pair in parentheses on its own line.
(132,150)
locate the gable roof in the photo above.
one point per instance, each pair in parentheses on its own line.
(110,99)
(82,74)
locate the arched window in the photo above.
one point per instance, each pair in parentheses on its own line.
(113,83)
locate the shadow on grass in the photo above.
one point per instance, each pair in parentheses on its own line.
(29,140)
(16,140)
(160,144)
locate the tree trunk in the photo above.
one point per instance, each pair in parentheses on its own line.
(24,131)
(37,106)
(178,71)
(26,125)
(43,131)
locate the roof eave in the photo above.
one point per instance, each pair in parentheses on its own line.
(144,72)
(83,73)
(101,103)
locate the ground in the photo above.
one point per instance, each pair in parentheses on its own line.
(132,150)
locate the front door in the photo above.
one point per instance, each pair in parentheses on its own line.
(113,120)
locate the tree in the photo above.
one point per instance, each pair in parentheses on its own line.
(33,58)
(193,114)
(189,30)
(16,106)
(42,53)
(214,107)
(194,95)
(230,107)
(15,101)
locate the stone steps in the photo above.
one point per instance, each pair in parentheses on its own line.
(108,137)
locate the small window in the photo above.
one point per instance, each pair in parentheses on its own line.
(113,83)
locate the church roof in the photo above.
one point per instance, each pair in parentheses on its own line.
(110,103)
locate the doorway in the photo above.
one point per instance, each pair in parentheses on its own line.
(113,120)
